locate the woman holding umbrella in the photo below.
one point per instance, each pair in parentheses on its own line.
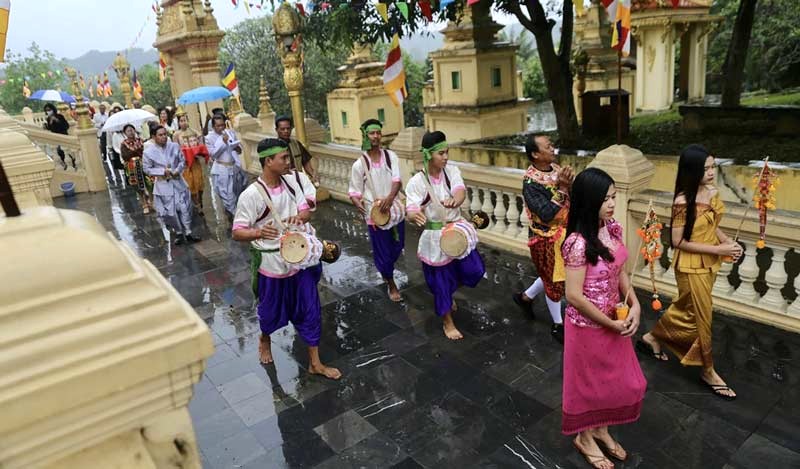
(132,149)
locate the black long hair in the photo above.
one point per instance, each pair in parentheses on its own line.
(586,197)
(691,170)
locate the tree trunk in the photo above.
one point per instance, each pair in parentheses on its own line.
(733,69)
(555,66)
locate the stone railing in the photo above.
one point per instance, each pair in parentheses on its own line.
(30,117)
(81,163)
(758,286)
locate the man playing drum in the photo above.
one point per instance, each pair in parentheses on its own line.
(374,185)
(270,209)
(545,189)
(433,198)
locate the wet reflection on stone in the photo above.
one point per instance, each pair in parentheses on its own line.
(411,398)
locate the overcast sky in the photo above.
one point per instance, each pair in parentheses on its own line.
(70,28)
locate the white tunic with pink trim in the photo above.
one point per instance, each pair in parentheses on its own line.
(251,212)
(382,177)
(417,199)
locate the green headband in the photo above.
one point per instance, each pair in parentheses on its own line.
(427,153)
(365,145)
(271,151)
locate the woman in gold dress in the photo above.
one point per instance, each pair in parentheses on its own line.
(700,245)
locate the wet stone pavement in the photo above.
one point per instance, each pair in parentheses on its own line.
(409,398)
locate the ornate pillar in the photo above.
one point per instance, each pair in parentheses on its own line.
(83,113)
(288,25)
(655,57)
(123,70)
(265,113)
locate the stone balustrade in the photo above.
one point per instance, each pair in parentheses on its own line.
(81,163)
(758,287)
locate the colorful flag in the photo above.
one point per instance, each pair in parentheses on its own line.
(472,2)
(91,91)
(383,10)
(100,87)
(403,7)
(619,13)
(137,87)
(300,8)
(26,91)
(107,86)
(82,81)
(578,7)
(394,76)
(162,67)
(425,7)
(5,9)
(443,4)
(229,80)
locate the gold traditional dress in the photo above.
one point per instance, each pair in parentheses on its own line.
(686,326)
(193,174)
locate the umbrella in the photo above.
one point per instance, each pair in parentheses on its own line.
(53,95)
(203,94)
(134,117)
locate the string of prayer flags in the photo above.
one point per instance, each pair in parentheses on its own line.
(472,2)
(578,7)
(300,8)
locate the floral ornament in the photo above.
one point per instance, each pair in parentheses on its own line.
(650,234)
(764,185)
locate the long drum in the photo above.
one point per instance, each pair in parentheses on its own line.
(459,238)
(386,221)
(300,249)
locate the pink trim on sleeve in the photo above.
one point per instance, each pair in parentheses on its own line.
(459,186)
(303,206)
(396,179)
(355,194)
(239,226)
(412,208)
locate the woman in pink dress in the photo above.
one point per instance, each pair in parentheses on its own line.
(603,383)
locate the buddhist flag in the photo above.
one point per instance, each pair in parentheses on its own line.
(137,87)
(394,76)
(230,81)
(82,82)
(99,87)
(383,10)
(619,13)
(26,90)
(162,67)
(425,7)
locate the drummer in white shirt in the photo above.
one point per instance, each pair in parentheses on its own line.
(375,179)
(443,274)
(227,174)
(286,293)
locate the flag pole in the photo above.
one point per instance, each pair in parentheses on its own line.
(619,97)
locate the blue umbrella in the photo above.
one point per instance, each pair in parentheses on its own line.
(203,94)
(53,95)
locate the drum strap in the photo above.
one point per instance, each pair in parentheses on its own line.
(434,225)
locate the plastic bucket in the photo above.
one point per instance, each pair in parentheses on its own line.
(68,189)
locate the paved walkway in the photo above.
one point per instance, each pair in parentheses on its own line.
(410,398)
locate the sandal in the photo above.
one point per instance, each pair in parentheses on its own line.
(615,452)
(525,306)
(592,459)
(647,349)
(718,389)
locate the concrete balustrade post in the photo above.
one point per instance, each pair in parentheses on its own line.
(776,278)
(92,161)
(748,272)
(407,145)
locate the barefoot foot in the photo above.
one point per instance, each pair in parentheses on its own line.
(326,371)
(264,350)
(450,330)
(394,293)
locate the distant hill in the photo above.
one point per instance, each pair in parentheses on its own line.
(95,62)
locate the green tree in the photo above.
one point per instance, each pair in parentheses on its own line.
(157,93)
(251,46)
(522,38)
(776,37)
(345,22)
(39,68)
(533,85)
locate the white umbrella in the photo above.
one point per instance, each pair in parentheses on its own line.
(134,117)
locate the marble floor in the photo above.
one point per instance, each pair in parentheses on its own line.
(409,398)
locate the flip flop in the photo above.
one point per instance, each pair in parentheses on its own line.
(647,349)
(615,453)
(717,389)
(592,459)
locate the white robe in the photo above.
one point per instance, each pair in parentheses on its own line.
(428,250)
(172,198)
(382,179)
(226,173)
